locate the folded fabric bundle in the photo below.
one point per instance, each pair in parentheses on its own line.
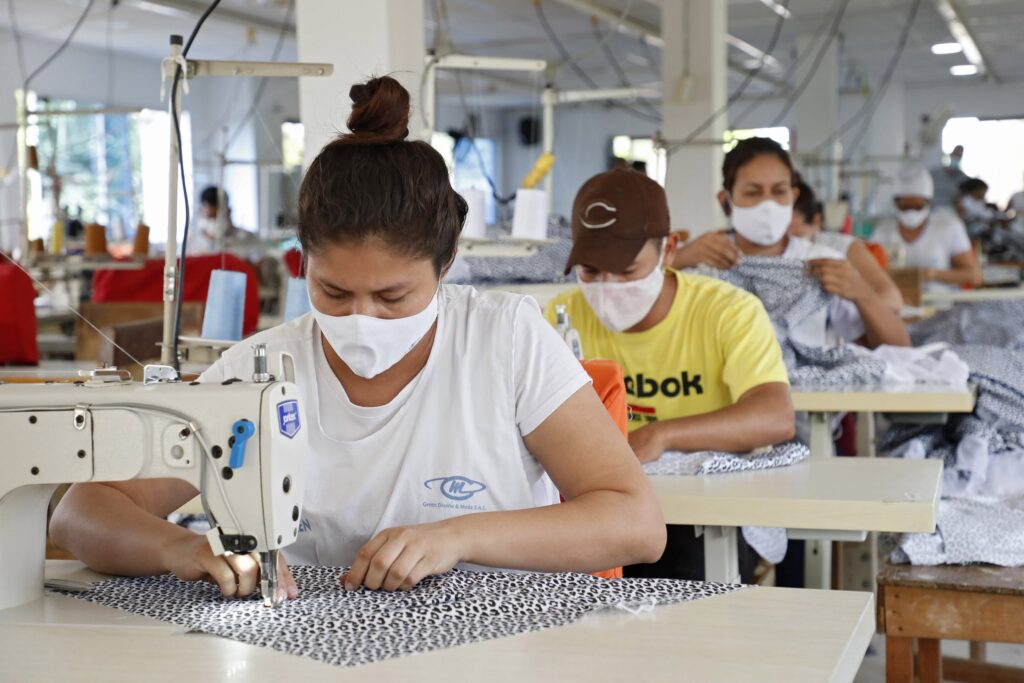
(332,625)
(986,323)
(769,542)
(546,265)
(970,530)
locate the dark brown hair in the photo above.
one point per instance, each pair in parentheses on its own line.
(373,183)
(746,151)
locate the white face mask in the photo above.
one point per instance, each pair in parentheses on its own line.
(369,346)
(763,224)
(913,218)
(621,305)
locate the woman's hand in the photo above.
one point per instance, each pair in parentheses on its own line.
(839,277)
(648,442)
(399,558)
(712,248)
(237,575)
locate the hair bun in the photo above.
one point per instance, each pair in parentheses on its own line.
(380,111)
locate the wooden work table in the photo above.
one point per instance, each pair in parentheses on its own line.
(753,634)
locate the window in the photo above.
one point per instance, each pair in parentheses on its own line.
(293,144)
(993,151)
(470,164)
(641,154)
(105,168)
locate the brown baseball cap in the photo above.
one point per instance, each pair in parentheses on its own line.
(613,216)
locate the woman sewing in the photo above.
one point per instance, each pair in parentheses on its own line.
(406,382)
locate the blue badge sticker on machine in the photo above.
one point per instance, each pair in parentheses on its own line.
(288,418)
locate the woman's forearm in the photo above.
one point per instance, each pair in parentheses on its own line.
(109,532)
(882,325)
(596,531)
(956,276)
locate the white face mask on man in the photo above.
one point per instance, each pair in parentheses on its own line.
(763,224)
(369,346)
(621,305)
(914,218)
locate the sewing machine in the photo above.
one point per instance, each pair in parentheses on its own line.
(242,444)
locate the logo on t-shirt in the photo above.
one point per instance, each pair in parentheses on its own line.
(455,487)
(288,418)
(671,387)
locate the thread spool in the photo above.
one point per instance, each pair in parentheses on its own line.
(225,306)
(57,239)
(530,220)
(37,246)
(95,240)
(476,219)
(140,246)
(296,300)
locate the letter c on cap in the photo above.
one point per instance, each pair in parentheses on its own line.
(598,226)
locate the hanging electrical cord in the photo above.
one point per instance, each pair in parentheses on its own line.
(184,184)
(871,105)
(617,66)
(282,32)
(63,46)
(16,33)
(752,73)
(798,93)
(567,60)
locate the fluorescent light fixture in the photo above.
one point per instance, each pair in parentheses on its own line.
(959,30)
(778,8)
(963,70)
(947,48)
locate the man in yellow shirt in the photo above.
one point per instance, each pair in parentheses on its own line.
(703,368)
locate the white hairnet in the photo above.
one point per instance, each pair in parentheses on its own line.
(913,181)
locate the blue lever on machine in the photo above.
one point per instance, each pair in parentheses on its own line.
(242,430)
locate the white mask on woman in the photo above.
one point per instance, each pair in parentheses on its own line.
(764,224)
(369,346)
(621,305)
(913,218)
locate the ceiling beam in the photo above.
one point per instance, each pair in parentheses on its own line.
(194,8)
(954,18)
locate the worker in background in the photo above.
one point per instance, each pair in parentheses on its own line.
(443,422)
(947,179)
(204,238)
(808,217)
(758,196)
(935,239)
(978,215)
(703,369)
(1015,210)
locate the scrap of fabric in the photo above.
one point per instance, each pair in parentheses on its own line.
(716,462)
(331,625)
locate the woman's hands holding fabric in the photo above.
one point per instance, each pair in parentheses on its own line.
(714,249)
(237,575)
(399,558)
(839,277)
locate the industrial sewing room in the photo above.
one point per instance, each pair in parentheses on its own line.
(512,340)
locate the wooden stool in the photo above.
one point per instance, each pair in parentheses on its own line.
(977,603)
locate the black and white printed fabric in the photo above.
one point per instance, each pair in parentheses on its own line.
(544,266)
(719,462)
(796,303)
(986,323)
(970,530)
(983,460)
(329,624)
(769,542)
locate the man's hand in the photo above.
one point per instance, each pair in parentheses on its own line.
(648,442)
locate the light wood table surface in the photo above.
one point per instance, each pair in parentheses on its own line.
(816,499)
(753,634)
(966,296)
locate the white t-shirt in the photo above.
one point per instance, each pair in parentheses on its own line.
(451,442)
(944,236)
(841,321)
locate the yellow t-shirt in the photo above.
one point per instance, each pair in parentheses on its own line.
(715,344)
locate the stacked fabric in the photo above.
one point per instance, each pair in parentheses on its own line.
(981,513)
(546,265)
(988,323)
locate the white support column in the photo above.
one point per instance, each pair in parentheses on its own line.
(884,143)
(361,39)
(694,82)
(816,114)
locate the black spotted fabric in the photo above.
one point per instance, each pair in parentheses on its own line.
(718,462)
(331,625)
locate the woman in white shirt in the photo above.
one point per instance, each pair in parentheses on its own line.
(444,421)
(807,223)
(935,240)
(758,195)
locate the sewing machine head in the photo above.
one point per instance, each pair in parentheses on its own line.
(242,444)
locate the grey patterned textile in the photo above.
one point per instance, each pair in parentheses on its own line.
(983,460)
(329,624)
(988,323)
(717,462)
(546,265)
(790,296)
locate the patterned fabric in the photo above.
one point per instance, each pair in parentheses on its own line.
(546,265)
(716,462)
(983,460)
(970,530)
(332,625)
(791,296)
(987,323)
